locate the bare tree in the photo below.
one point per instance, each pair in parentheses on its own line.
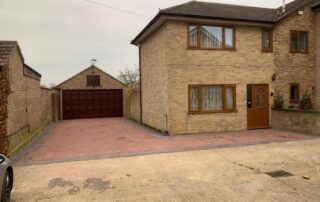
(52,84)
(130,77)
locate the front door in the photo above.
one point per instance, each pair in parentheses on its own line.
(258,106)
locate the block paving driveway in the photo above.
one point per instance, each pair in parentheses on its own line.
(118,137)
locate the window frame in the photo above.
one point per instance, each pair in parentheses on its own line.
(198,47)
(270,49)
(224,101)
(298,41)
(296,101)
(93,83)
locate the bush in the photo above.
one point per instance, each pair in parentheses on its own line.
(278,102)
(306,102)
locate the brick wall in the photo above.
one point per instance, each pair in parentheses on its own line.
(318,60)
(154,77)
(29,106)
(246,65)
(168,67)
(135,106)
(4,92)
(297,121)
(295,68)
(79,81)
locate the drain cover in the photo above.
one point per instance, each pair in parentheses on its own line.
(279,173)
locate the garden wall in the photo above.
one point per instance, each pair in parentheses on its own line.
(307,122)
(29,106)
(135,106)
(4,92)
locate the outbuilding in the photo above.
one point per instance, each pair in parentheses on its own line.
(93,93)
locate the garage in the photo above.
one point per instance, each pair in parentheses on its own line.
(92,93)
(80,104)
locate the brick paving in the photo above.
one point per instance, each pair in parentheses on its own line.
(118,137)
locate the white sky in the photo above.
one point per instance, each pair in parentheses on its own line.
(58,38)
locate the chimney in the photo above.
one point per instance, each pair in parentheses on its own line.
(283,6)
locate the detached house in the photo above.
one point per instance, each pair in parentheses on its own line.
(209,67)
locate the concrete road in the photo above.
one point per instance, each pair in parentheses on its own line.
(232,174)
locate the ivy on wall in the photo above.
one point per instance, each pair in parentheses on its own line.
(4,93)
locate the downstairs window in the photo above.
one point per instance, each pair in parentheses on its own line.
(212,98)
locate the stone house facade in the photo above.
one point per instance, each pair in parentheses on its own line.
(108,97)
(27,108)
(204,69)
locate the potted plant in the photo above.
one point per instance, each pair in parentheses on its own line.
(291,107)
(306,102)
(278,101)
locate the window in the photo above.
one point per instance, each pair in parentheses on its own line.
(294,93)
(267,41)
(299,42)
(212,98)
(93,80)
(211,37)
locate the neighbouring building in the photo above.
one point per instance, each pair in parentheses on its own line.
(209,67)
(93,93)
(25,107)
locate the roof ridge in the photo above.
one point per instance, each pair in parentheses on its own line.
(237,5)
(84,70)
(16,42)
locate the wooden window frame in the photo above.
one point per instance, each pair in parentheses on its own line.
(298,41)
(93,84)
(198,47)
(297,101)
(271,40)
(224,110)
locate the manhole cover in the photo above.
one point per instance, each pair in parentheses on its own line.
(279,173)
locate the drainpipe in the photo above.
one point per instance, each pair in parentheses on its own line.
(318,60)
(140,72)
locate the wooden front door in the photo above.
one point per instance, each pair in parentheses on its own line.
(258,106)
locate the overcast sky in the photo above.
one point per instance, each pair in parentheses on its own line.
(59,37)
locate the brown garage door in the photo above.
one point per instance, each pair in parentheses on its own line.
(81,104)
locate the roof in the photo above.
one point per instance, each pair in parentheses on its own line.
(32,70)
(92,66)
(222,11)
(6,49)
(210,10)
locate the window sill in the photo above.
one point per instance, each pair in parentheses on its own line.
(93,86)
(267,51)
(212,49)
(297,52)
(215,112)
(294,102)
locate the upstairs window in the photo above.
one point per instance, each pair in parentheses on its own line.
(93,80)
(294,93)
(211,37)
(267,40)
(299,42)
